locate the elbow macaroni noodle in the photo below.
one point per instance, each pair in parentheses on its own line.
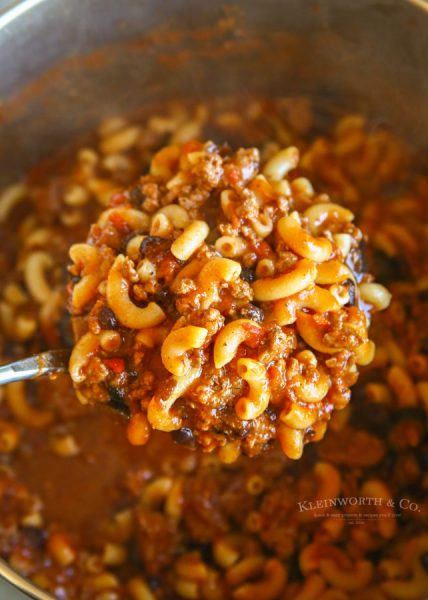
(254,373)
(231,337)
(282,286)
(177,343)
(305,245)
(118,300)
(315,298)
(190,240)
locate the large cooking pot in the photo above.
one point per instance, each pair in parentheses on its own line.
(64,65)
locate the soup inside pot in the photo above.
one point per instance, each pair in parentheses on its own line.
(85,515)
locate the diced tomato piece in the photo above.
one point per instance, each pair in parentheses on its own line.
(118,221)
(167,267)
(117,365)
(118,199)
(262,249)
(233,176)
(191,146)
(256,333)
(274,374)
(226,301)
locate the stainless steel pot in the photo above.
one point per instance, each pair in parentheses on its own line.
(369,55)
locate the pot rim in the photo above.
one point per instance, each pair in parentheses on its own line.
(21,583)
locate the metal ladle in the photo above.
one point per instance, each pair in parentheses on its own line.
(46,363)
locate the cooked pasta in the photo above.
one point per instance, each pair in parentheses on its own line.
(193,280)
